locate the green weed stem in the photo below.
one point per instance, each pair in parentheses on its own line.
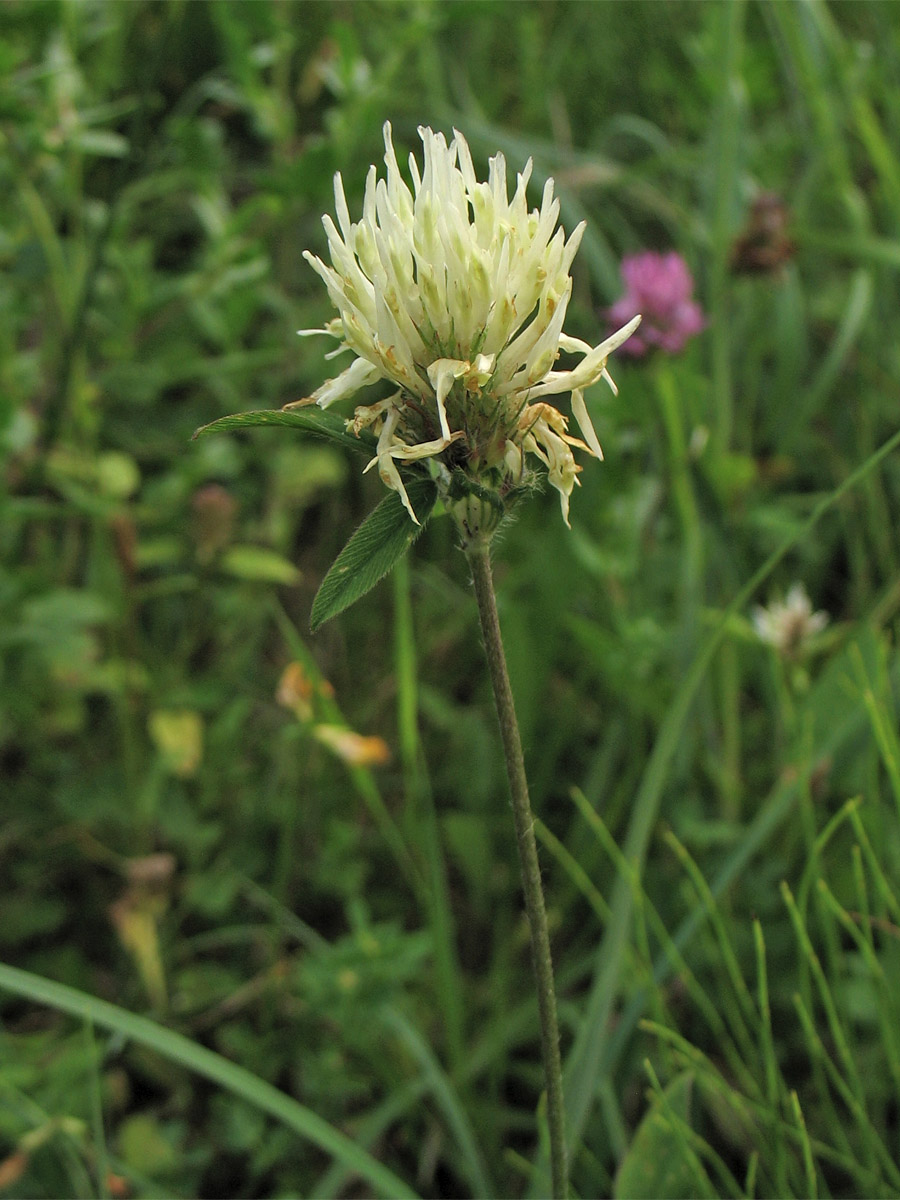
(478,554)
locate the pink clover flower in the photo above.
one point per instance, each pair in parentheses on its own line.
(659,286)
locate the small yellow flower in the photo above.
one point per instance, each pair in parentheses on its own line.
(457,296)
(178,736)
(299,691)
(353,748)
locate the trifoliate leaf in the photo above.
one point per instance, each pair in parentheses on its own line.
(380,541)
(310,420)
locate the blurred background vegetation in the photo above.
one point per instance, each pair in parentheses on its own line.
(297,851)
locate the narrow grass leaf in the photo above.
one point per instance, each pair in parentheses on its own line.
(845,56)
(885,891)
(95,1098)
(586,1058)
(771,815)
(885,1008)
(862,897)
(880,715)
(849,329)
(199,1059)
(808,1163)
(658,1162)
(752,1118)
(576,873)
(832,1014)
(770,1062)
(445,1094)
(849,1085)
(694,1147)
(746,1021)
(882,252)
(724,154)
(845,812)
(384,536)
(423,821)
(750,1181)
(873,1142)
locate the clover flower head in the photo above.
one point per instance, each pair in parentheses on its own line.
(789,624)
(659,286)
(456,295)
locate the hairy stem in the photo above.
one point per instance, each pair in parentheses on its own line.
(478,555)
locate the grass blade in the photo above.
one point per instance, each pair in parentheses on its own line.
(445,1095)
(212,1066)
(585,1060)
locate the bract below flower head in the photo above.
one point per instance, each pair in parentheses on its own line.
(456,294)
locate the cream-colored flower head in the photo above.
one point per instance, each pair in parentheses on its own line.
(788,624)
(457,295)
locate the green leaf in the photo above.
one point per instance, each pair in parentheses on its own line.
(259,564)
(655,1164)
(382,538)
(143,1145)
(104,142)
(311,420)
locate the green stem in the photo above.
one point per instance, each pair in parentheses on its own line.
(478,554)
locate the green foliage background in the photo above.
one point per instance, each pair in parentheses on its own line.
(177,841)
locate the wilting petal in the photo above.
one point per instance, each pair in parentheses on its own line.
(407,453)
(442,373)
(357,375)
(580,412)
(591,367)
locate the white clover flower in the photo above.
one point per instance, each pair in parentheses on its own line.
(457,295)
(787,624)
